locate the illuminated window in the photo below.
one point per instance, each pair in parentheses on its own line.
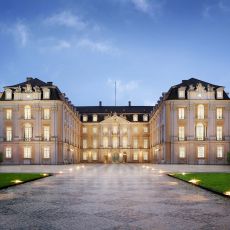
(27,112)
(95,117)
(115,142)
(135,129)
(8,153)
(27,152)
(46,133)
(181,133)
(146,129)
(135,143)
(94,130)
(85,118)
(135,117)
(220,152)
(46,94)
(219,113)
(200,131)
(135,156)
(124,130)
(182,152)
(9,133)
(84,143)
(125,142)
(145,156)
(85,156)
(145,143)
(145,117)
(84,129)
(181,93)
(219,94)
(200,112)
(200,152)
(28,132)
(105,142)
(46,114)
(8,114)
(8,94)
(181,113)
(105,130)
(94,143)
(94,156)
(219,133)
(46,153)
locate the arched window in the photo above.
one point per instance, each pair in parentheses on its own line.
(28,132)
(27,112)
(200,131)
(200,111)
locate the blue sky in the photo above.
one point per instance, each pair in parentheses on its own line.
(83,46)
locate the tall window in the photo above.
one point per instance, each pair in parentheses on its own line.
(220,152)
(181,133)
(46,153)
(94,156)
(105,130)
(115,129)
(135,143)
(46,94)
(46,133)
(125,142)
(8,114)
(200,131)
(181,152)
(200,112)
(181,113)
(200,152)
(135,155)
(9,133)
(219,133)
(8,153)
(27,112)
(27,152)
(145,117)
(219,94)
(181,93)
(219,113)
(46,114)
(85,156)
(28,132)
(95,117)
(145,143)
(105,142)
(115,142)
(146,129)
(84,130)
(135,129)
(124,130)
(84,143)
(94,143)
(8,94)
(145,156)
(135,117)
(94,130)
(85,118)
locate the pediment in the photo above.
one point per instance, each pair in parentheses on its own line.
(115,119)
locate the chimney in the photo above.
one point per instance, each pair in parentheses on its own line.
(129,103)
(100,103)
(29,78)
(49,82)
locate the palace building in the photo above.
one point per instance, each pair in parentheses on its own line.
(190,124)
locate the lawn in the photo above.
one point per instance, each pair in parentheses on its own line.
(216,182)
(9,179)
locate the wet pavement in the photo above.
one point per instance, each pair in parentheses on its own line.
(117,196)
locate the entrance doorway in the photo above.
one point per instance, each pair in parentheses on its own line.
(115,158)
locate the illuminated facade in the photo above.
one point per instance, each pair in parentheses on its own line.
(190,124)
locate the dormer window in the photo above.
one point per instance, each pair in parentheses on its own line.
(181,93)
(219,94)
(85,118)
(46,94)
(135,117)
(8,94)
(145,117)
(95,118)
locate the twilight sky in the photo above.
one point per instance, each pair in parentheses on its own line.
(83,46)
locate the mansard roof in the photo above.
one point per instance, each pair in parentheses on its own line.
(172,94)
(33,82)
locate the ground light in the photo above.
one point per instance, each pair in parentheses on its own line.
(16,181)
(194,181)
(44,174)
(227,193)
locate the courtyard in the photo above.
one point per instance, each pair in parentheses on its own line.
(112,196)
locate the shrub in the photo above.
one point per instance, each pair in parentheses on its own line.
(1,157)
(228,157)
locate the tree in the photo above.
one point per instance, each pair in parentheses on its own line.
(228,157)
(1,157)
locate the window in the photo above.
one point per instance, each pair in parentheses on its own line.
(181,93)
(181,152)
(200,152)
(145,117)
(46,133)
(8,94)
(135,117)
(105,142)
(181,133)
(84,144)
(181,113)
(94,143)
(219,94)
(94,130)
(146,129)
(94,156)
(219,113)
(8,152)
(9,133)
(95,117)
(46,114)
(124,130)
(84,130)
(145,143)
(135,156)
(219,133)
(105,130)
(46,153)
(8,114)
(200,131)
(27,152)
(135,129)
(85,118)
(27,112)
(125,142)
(115,142)
(220,151)
(28,132)
(115,129)
(145,156)
(200,112)
(46,95)
(85,156)
(135,143)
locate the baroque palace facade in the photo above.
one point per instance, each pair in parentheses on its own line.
(190,124)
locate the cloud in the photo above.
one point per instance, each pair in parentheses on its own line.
(142,5)
(62,45)
(218,7)
(67,19)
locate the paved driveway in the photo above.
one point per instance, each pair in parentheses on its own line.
(118,196)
